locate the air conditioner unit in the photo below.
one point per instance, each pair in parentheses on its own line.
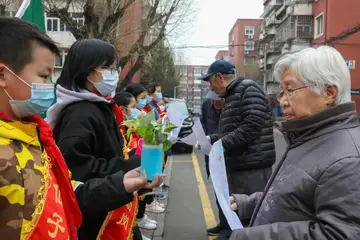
(246,53)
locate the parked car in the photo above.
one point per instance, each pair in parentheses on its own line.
(186,128)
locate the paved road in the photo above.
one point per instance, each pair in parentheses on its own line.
(191,205)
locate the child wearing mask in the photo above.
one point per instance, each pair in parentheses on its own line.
(86,128)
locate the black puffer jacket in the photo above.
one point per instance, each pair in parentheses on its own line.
(245,127)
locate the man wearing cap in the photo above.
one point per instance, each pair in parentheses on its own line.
(245,128)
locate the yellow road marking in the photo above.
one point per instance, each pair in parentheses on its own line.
(204,196)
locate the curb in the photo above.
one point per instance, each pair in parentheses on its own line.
(159,232)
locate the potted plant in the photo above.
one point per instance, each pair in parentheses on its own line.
(155,142)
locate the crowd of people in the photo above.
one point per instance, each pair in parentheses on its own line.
(75,175)
(83,139)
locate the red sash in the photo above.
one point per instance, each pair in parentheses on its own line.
(52,223)
(119,223)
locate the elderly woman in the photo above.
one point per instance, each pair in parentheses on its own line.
(315,191)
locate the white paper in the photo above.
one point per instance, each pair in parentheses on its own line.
(177,119)
(219,180)
(201,137)
(190,139)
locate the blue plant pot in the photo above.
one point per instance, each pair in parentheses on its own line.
(151,160)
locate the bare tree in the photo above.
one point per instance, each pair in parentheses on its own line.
(6,6)
(102,20)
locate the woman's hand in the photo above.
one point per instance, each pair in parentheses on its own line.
(133,182)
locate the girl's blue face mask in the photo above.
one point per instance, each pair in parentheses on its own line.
(134,114)
(42,97)
(148,99)
(109,82)
(158,96)
(141,103)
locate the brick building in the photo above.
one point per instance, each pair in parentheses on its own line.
(335,23)
(242,48)
(190,88)
(222,55)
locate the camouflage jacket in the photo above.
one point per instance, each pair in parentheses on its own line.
(23,172)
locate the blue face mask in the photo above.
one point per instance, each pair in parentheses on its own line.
(108,84)
(42,97)
(158,96)
(141,103)
(134,114)
(148,99)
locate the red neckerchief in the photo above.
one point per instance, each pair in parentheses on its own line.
(147,108)
(60,171)
(157,107)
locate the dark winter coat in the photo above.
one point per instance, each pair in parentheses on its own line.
(245,127)
(89,138)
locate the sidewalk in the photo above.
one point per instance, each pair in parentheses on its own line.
(158,233)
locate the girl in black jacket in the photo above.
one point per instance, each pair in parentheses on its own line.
(88,135)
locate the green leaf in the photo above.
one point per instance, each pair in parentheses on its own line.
(141,131)
(167,145)
(149,137)
(159,137)
(128,133)
(148,118)
(169,128)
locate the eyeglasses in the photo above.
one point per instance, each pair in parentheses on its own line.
(289,92)
(112,69)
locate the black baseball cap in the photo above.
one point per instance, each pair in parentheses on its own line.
(219,66)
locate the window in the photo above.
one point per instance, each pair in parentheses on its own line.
(59,60)
(190,74)
(319,25)
(249,30)
(197,70)
(249,60)
(249,46)
(52,24)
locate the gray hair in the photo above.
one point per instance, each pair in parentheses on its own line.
(227,77)
(319,67)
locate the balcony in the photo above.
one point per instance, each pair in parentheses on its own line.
(273,47)
(271,20)
(273,4)
(296,26)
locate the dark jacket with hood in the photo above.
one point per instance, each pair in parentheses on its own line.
(245,127)
(88,135)
(315,191)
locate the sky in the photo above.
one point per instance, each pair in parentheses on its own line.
(213,22)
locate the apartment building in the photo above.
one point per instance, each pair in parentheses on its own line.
(287,26)
(337,23)
(292,25)
(222,55)
(190,88)
(59,32)
(242,48)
